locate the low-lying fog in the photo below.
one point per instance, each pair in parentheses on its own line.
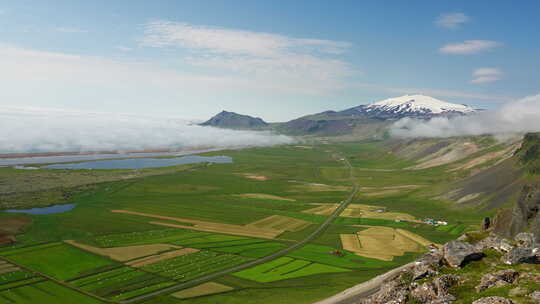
(25,130)
(514,117)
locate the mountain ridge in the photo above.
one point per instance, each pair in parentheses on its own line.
(358,119)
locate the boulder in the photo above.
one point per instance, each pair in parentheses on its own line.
(458,253)
(525,239)
(519,255)
(535,296)
(493,300)
(494,242)
(497,279)
(435,292)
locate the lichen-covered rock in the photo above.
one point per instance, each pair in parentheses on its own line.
(525,239)
(497,279)
(535,296)
(494,242)
(394,291)
(518,292)
(493,300)
(436,292)
(457,253)
(427,265)
(519,255)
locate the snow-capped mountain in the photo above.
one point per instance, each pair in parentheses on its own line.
(419,106)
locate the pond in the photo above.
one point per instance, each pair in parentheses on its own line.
(141,163)
(44,210)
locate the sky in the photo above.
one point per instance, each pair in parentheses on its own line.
(274,59)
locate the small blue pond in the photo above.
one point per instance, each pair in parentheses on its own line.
(141,163)
(44,210)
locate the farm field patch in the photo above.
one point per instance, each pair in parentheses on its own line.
(279,222)
(255,176)
(316,187)
(265,196)
(205,289)
(120,283)
(256,250)
(61,261)
(209,226)
(374,212)
(187,267)
(339,258)
(383,243)
(146,237)
(125,253)
(322,209)
(161,257)
(285,268)
(45,293)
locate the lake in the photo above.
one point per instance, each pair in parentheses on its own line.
(44,210)
(141,163)
(89,157)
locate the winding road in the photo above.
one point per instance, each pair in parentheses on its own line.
(268,258)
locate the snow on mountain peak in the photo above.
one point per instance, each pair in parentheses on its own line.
(418,104)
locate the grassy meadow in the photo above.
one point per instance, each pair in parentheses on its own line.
(261,185)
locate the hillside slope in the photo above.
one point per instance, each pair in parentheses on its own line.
(233,120)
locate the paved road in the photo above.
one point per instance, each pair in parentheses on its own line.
(353,294)
(265,259)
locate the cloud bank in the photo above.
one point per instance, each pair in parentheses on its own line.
(42,130)
(312,64)
(452,20)
(515,117)
(469,47)
(486,75)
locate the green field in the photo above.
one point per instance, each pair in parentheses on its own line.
(61,262)
(121,283)
(187,267)
(213,193)
(45,293)
(285,268)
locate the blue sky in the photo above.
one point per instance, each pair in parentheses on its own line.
(274,59)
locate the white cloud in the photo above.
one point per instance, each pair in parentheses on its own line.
(46,130)
(123,48)
(70,30)
(48,72)
(231,41)
(469,47)
(452,20)
(310,64)
(514,117)
(486,75)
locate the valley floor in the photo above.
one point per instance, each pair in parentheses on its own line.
(309,221)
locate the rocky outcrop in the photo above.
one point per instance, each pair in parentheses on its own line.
(525,239)
(493,300)
(494,242)
(535,296)
(394,291)
(436,291)
(519,255)
(422,282)
(497,279)
(457,253)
